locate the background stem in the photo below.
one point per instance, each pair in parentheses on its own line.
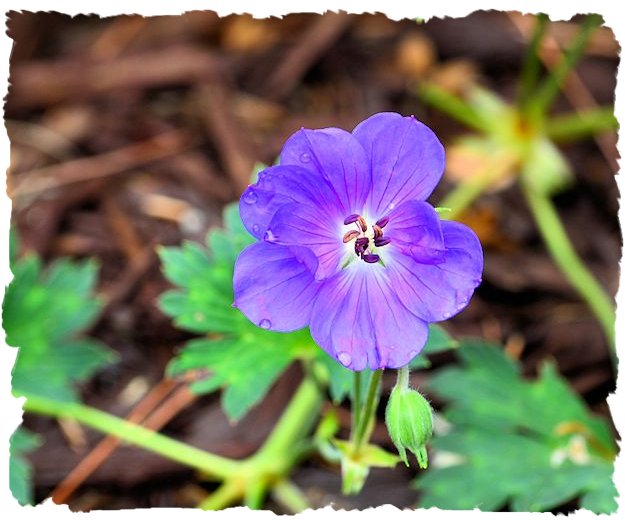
(568,261)
(204,461)
(369,410)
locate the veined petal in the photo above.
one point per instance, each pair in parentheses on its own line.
(280,185)
(415,229)
(338,157)
(358,320)
(437,292)
(406,159)
(274,286)
(302,225)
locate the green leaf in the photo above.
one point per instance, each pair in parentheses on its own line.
(20,472)
(532,445)
(545,168)
(438,341)
(238,357)
(44,314)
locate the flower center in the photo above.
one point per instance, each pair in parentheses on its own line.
(363,235)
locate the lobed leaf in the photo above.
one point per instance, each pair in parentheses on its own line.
(531,445)
(44,314)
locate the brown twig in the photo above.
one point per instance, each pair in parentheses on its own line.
(235,150)
(32,184)
(106,446)
(45,83)
(314,42)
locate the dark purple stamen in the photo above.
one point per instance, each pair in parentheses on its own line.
(351,219)
(382,241)
(371,258)
(382,222)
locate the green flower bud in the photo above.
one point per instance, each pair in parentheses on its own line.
(409,423)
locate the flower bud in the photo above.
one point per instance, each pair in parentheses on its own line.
(409,423)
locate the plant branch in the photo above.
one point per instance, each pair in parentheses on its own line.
(561,250)
(204,461)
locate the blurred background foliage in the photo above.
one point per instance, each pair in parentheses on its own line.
(130,135)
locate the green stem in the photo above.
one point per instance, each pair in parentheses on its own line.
(531,65)
(546,94)
(357,404)
(463,195)
(369,410)
(206,462)
(403,377)
(290,496)
(568,261)
(451,105)
(583,124)
(294,424)
(229,492)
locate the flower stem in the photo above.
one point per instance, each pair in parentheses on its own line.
(451,105)
(369,410)
(403,377)
(356,405)
(568,261)
(204,461)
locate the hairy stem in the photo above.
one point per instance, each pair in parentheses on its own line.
(561,250)
(131,433)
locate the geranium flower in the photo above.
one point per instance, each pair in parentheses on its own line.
(348,246)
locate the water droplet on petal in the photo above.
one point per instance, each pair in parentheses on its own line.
(250,197)
(255,228)
(391,205)
(446,315)
(269,236)
(305,158)
(345,358)
(412,354)
(264,324)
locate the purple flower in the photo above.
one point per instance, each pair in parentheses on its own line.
(348,246)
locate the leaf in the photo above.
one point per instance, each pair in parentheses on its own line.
(532,445)
(44,314)
(238,357)
(20,472)
(438,341)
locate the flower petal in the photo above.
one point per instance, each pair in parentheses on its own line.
(415,229)
(358,320)
(302,225)
(274,286)
(436,292)
(338,157)
(280,185)
(407,159)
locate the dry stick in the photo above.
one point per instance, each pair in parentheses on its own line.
(123,231)
(43,83)
(316,40)
(234,149)
(574,88)
(36,182)
(106,446)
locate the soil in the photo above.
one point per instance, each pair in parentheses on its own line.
(129,132)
